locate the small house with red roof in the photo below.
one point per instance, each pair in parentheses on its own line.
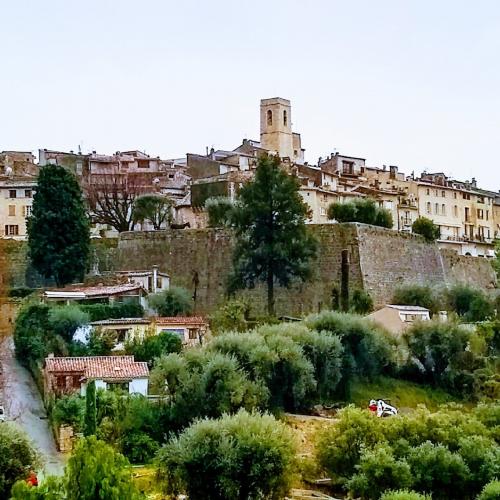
(67,375)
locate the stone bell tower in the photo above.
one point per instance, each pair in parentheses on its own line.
(276,126)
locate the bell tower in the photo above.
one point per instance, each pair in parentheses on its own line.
(276,126)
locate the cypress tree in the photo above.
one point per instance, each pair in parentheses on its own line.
(90,423)
(58,228)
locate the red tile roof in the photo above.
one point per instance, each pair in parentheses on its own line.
(97,367)
(180,320)
(93,291)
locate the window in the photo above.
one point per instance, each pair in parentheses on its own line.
(12,230)
(269,117)
(428,192)
(429,207)
(28,193)
(12,210)
(12,193)
(436,192)
(150,283)
(467,214)
(348,167)
(443,209)
(455,195)
(294,152)
(285,118)
(27,211)
(480,213)
(443,194)
(79,168)
(121,335)
(455,211)
(159,282)
(436,208)
(466,196)
(323,211)
(193,333)
(143,163)
(487,215)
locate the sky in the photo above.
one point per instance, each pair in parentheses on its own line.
(409,83)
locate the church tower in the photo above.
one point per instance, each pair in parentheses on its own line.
(276,126)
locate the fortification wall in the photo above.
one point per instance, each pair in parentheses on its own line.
(200,260)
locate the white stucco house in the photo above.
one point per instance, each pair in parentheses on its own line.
(67,375)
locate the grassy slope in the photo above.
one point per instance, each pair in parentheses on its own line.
(401,393)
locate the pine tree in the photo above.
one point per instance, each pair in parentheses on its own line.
(58,229)
(273,243)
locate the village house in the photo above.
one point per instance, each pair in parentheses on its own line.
(68,375)
(396,319)
(153,281)
(191,329)
(98,294)
(17,187)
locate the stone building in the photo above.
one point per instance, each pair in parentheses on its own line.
(17,187)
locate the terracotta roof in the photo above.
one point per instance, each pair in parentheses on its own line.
(93,291)
(122,321)
(180,320)
(106,367)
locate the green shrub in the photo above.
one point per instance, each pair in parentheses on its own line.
(361,302)
(363,210)
(65,320)
(154,346)
(470,303)
(219,209)
(172,302)
(418,295)
(426,228)
(378,471)
(138,447)
(20,292)
(69,410)
(340,446)
(99,312)
(438,471)
(239,457)
(491,491)
(232,316)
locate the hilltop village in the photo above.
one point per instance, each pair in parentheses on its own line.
(243,324)
(468,216)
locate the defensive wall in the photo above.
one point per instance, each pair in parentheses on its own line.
(200,260)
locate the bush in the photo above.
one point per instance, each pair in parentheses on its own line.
(154,346)
(361,302)
(490,492)
(99,312)
(172,302)
(65,320)
(235,457)
(69,410)
(367,349)
(426,228)
(378,471)
(17,457)
(340,446)
(417,295)
(438,471)
(219,209)
(20,292)
(232,316)
(363,210)
(470,303)
(139,447)
(440,349)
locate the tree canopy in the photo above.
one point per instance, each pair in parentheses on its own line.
(58,228)
(153,208)
(426,228)
(363,210)
(273,244)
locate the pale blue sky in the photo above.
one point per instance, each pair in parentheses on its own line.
(411,83)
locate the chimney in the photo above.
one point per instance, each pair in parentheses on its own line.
(155,278)
(474,182)
(393,171)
